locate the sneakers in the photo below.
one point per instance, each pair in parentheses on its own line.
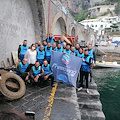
(79,89)
(87,91)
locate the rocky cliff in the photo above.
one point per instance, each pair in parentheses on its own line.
(76,6)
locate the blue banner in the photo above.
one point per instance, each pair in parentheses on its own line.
(65,67)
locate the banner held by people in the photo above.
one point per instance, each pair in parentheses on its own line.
(65,67)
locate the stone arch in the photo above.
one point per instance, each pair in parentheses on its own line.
(59,24)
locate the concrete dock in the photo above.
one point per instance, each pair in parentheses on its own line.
(61,102)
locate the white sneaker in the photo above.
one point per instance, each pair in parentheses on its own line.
(79,89)
(87,91)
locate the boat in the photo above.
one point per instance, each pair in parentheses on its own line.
(104,64)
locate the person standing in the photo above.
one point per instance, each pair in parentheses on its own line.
(62,42)
(59,49)
(22,50)
(77,46)
(48,72)
(91,53)
(85,70)
(44,44)
(50,39)
(30,55)
(48,52)
(36,74)
(72,51)
(41,55)
(80,53)
(67,49)
(54,46)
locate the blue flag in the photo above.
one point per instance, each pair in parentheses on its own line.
(65,67)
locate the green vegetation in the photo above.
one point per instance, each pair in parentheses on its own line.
(114,26)
(81,16)
(117,8)
(93,17)
(107,28)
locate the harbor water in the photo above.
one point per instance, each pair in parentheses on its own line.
(108,81)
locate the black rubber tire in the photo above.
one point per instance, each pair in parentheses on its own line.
(10,94)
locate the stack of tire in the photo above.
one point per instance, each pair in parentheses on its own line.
(11,85)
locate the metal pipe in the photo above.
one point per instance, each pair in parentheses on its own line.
(48,17)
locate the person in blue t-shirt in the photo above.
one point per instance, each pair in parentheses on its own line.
(36,74)
(23,70)
(48,72)
(85,70)
(22,50)
(41,55)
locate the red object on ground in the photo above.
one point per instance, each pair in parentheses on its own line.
(70,38)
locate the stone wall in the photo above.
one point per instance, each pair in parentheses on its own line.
(16,24)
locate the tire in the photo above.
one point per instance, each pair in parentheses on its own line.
(12,95)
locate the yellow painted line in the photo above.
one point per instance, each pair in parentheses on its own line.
(50,101)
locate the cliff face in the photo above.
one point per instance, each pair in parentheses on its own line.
(75,6)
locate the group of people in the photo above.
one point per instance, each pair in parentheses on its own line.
(35,60)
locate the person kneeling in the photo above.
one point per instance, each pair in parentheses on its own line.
(48,72)
(22,70)
(36,74)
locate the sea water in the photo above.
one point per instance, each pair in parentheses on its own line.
(108,81)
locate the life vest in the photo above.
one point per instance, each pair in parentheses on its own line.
(48,52)
(40,55)
(46,69)
(54,49)
(76,51)
(23,67)
(59,50)
(45,46)
(61,44)
(90,53)
(50,40)
(23,49)
(85,67)
(36,72)
(67,51)
(80,55)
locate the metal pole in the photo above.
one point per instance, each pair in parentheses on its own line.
(48,17)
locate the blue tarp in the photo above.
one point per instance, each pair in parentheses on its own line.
(117,42)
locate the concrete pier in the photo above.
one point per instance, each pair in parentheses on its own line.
(59,103)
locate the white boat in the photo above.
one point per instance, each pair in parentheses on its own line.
(107,64)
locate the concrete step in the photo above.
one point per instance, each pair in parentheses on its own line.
(87,114)
(92,85)
(86,103)
(94,94)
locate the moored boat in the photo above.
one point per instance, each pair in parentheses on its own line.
(107,64)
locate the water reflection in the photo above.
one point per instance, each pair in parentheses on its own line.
(108,81)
